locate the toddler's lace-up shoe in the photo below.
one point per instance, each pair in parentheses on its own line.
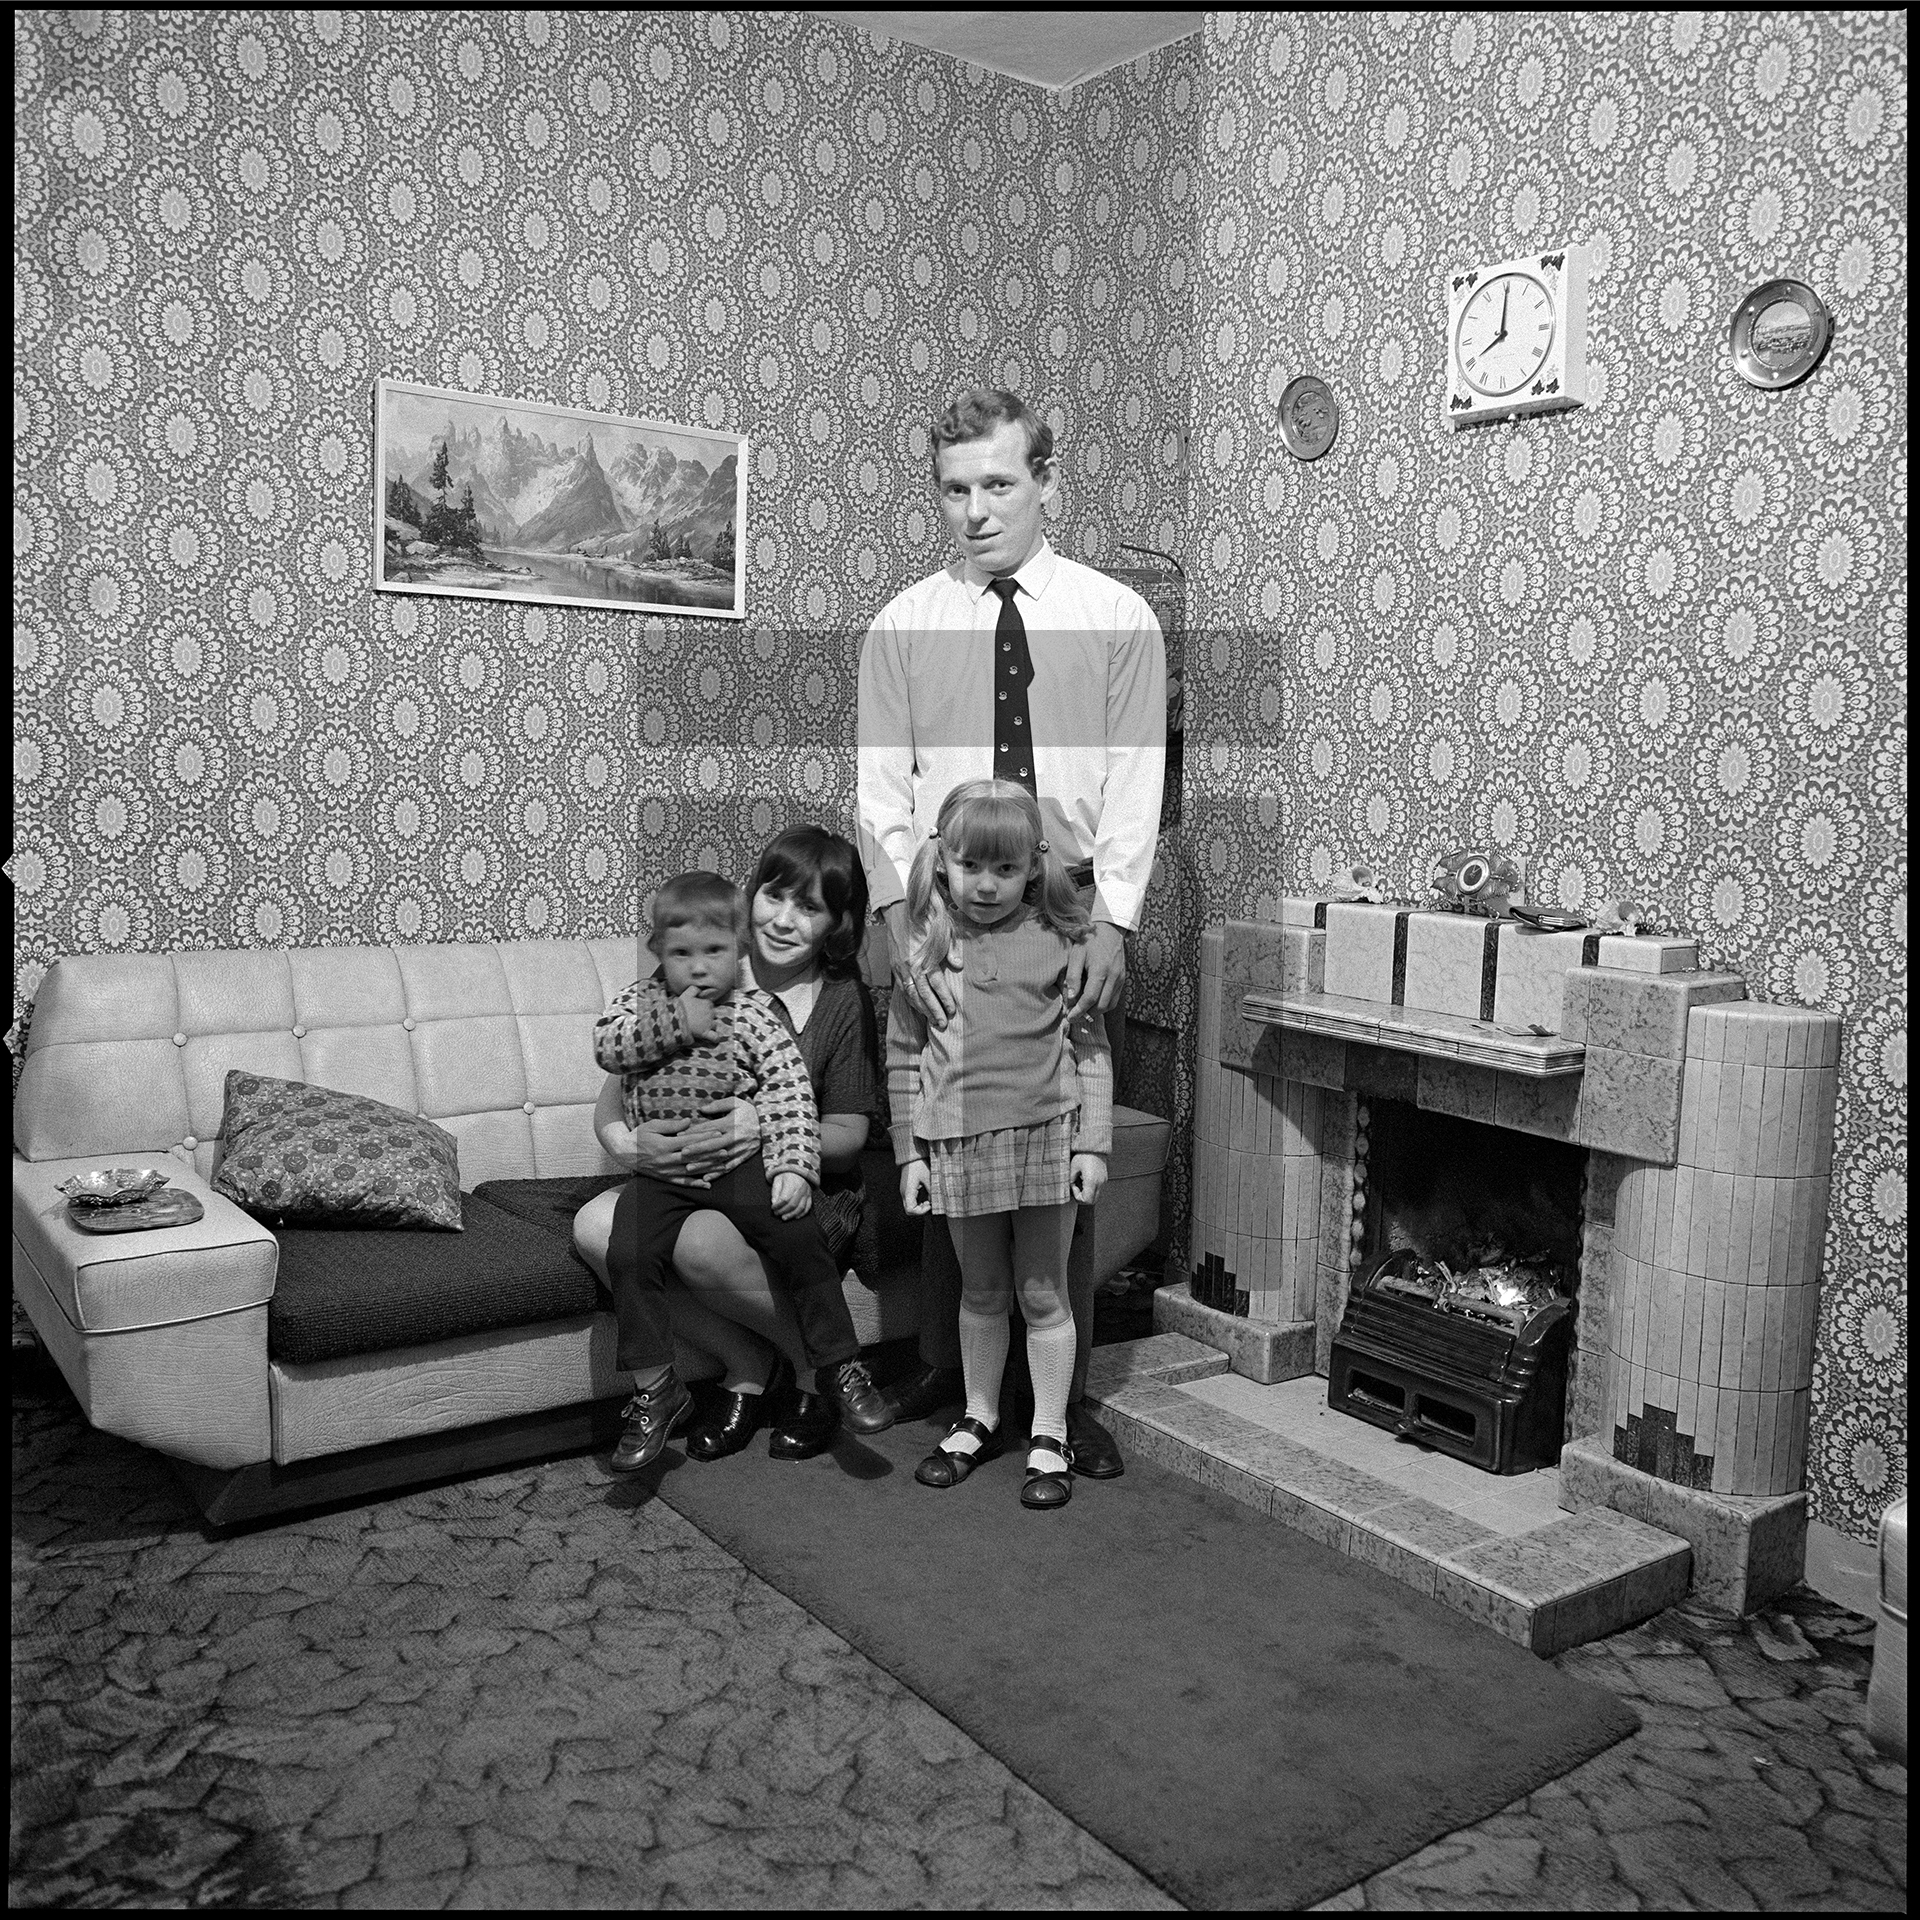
(862,1406)
(652,1414)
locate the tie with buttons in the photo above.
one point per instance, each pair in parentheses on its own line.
(1012,675)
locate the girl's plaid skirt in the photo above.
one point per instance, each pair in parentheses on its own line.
(999,1172)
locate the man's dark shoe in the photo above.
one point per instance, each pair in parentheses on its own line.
(862,1407)
(1094,1453)
(807,1430)
(652,1415)
(732,1423)
(930,1391)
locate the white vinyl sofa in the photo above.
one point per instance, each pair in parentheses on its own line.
(164,1336)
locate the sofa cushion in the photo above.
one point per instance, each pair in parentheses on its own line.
(349,1290)
(299,1154)
(547,1204)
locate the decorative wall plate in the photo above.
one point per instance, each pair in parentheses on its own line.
(1778,334)
(1309,417)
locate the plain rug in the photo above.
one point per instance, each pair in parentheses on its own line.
(1249,1718)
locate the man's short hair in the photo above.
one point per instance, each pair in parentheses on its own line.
(976,413)
(698,899)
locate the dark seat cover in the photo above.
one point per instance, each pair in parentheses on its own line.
(547,1204)
(353,1290)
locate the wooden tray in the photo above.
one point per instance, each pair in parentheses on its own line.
(171,1208)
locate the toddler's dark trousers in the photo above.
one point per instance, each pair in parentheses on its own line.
(646,1223)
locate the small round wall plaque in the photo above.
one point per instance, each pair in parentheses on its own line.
(1779,332)
(1309,419)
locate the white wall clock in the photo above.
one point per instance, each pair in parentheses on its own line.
(1517,337)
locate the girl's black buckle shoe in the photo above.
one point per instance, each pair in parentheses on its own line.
(944,1467)
(1047,1488)
(727,1429)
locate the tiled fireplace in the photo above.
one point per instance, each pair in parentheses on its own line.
(1705,1121)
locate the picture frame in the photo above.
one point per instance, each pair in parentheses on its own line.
(481,497)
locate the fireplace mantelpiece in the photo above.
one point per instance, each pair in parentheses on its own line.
(1709,1119)
(1450,1036)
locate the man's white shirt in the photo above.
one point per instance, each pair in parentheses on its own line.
(1097,706)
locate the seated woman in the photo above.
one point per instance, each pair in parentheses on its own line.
(808,914)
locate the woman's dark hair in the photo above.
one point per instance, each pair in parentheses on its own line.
(810,859)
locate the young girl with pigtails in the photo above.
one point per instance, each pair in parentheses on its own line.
(1002,1119)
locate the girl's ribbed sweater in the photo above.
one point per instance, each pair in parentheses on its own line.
(1007,1057)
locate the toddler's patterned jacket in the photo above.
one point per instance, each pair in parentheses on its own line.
(666,1074)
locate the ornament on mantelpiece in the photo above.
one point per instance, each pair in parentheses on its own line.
(1358,882)
(1548,919)
(1477,880)
(1624,916)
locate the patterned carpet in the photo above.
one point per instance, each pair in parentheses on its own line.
(365,1708)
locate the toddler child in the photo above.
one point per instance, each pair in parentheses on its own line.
(1002,1119)
(691,1035)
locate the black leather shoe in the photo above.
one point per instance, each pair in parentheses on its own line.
(735,1419)
(807,1430)
(651,1418)
(1094,1453)
(930,1391)
(862,1408)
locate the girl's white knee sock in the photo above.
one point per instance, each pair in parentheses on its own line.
(984,1338)
(1050,1353)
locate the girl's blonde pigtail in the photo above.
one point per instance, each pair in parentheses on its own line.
(1057,900)
(932,934)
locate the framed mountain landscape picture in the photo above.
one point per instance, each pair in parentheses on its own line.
(496,499)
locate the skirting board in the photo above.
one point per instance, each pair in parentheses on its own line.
(1843,1569)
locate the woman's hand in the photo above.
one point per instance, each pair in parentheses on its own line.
(694,1153)
(1086,1175)
(916,1187)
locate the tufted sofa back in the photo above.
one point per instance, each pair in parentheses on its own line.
(129,1053)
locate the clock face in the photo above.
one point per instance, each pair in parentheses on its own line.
(1504,333)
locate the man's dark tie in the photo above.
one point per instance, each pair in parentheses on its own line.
(1012,676)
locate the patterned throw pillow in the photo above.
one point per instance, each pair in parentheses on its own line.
(301,1155)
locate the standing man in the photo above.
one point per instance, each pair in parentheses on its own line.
(1017,662)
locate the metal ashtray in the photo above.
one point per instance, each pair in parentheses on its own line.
(112,1186)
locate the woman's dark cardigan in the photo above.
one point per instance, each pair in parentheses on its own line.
(840,1048)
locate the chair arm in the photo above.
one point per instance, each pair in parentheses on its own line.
(119,1282)
(162,1335)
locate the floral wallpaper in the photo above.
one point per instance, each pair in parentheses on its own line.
(1657,646)
(228,224)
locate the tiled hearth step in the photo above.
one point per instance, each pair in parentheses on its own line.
(1497,1549)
